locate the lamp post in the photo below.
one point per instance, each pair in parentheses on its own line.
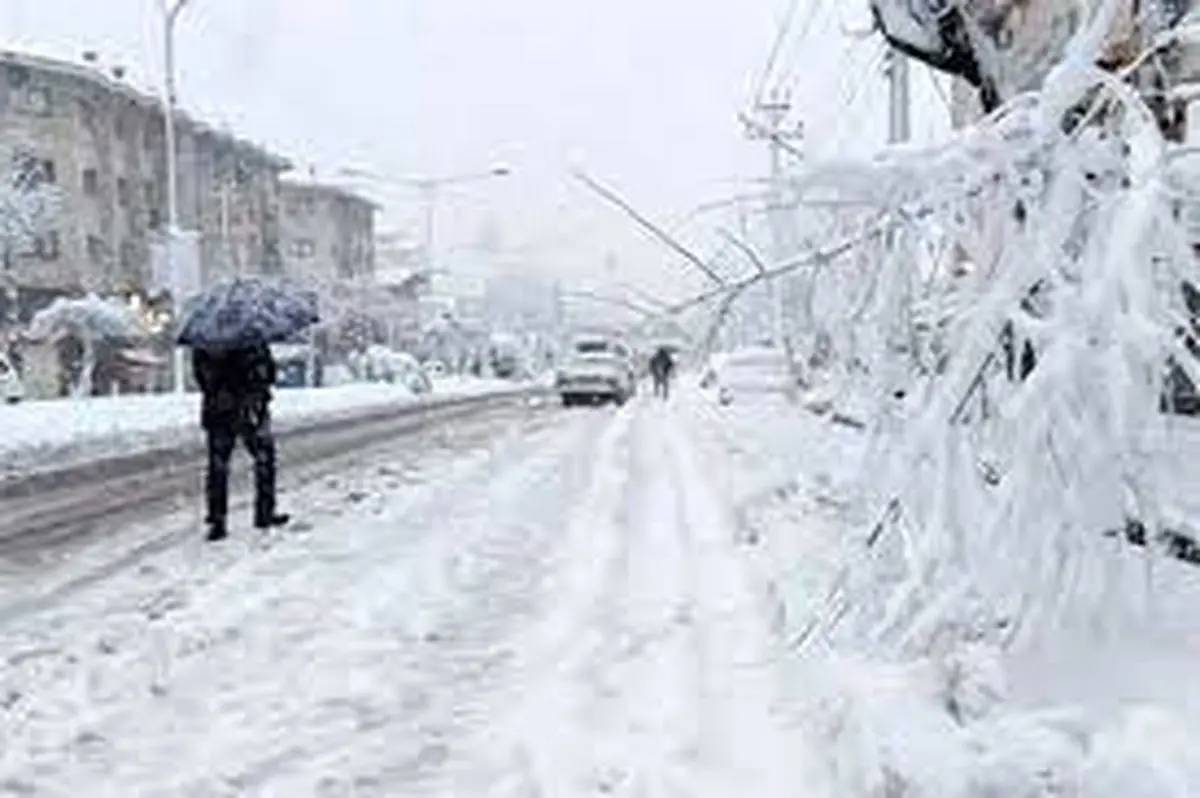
(171,11)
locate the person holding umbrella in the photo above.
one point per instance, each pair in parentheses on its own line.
(662,365)
(236,387)
(229,328)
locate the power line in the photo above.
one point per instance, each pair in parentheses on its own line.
(780,37)
(815,9)
(851,98)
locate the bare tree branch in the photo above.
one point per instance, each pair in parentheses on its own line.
(652,228)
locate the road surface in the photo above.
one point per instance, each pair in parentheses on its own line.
(550,603)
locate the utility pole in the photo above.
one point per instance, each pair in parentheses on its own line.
(899,97)
(771,115)
(896,69)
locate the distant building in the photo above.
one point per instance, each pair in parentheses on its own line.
(328,232)
(99,140)
(521,303)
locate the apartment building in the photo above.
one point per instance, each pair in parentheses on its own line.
(99,141)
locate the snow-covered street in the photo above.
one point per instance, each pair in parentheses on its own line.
(550,603)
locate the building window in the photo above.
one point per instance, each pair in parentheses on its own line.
(43,247)
(33,171)
(303,248)
(123,192)
(87,113)
(122,127)
(36,100)
(91,182)
(301,206)
(18,76)
(96,249)
(128,255)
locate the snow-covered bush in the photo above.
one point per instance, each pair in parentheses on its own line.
(29,204)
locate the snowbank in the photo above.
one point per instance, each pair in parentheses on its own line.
(39,433)
(1079,709)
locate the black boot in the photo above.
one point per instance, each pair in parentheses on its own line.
(272,520)
(216,531)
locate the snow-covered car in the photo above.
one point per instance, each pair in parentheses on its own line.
(381,364)
(598,369)
(756,370)
(12,389)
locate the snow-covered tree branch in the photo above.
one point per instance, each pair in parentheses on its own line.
(1011,333)
(29,204)
(1004,47)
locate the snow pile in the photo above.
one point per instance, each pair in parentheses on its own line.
(60,431)
(942,728)
(970,719)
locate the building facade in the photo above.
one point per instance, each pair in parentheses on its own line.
(99,143)
(328,233)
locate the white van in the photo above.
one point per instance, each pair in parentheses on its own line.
(12,390)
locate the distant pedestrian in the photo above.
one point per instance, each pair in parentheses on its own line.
(662,365)
(236,386)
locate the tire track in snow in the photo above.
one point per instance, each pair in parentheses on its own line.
(655,675)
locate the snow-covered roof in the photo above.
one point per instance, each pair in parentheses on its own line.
(146,99)
(301,183)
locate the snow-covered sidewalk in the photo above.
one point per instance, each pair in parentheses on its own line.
(557,608)
(34,434)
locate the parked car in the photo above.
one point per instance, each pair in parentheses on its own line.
(12,389)
(597,369)
(757,370)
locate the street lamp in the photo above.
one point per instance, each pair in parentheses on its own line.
(171,11)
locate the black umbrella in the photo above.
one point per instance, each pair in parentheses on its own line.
(245,312)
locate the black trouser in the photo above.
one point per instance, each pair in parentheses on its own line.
(252,426)
(662,385)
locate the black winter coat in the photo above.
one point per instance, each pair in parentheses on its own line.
(233,382)
(661,365)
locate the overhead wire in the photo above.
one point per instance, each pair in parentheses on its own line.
(781,36)
(782,40)
(817,12)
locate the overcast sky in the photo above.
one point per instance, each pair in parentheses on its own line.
(641,93)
